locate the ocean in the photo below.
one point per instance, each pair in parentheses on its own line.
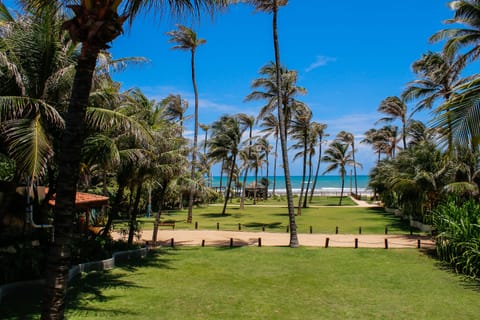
(324,183)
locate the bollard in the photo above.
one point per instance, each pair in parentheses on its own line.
(203,243)
(218,226)
(172,242)
(196,225)
(359,230)
(231,242)
(327,240)
(419,244)
(239,227)
(288,229)
(263,228)
(356,243)
(386,243)
(259,242)
(386,230)
(336,230)
(311,229)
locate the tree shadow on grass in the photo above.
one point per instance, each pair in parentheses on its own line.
(83,289)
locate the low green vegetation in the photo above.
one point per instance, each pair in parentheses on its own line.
(275,219)
(269,283)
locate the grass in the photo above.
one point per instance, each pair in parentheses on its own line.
(275,219)
(269,283)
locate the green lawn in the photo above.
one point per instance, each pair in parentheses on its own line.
(269,283)
(275,219)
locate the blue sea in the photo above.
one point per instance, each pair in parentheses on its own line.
(324,183)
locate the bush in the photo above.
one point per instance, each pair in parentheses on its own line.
(458,239)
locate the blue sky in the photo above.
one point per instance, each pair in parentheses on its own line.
(349,55)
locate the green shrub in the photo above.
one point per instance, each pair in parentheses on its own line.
(458,239)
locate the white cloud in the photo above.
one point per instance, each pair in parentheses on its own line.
(320,62)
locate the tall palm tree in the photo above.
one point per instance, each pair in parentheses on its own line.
(318,135)
(187,39)
(225,142)
(339,157)
(95,24)
(247,121)
(395,108)
(270,125)
(272,6)
(349,139)
(300,131)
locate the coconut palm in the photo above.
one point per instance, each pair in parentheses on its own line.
(300,131)
(272,6)
(247,122)
(270,125)
(187,39)
(317,138)
(225,143)
(438,76)
(95,24)
(339,158)
(175,108)
(266,148)
(349,139)
(395,108)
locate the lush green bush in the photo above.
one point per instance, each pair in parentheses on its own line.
(458,239)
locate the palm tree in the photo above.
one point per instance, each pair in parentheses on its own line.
(339,157)
(247,122)
(95,24)
(349,139)
(318,133)
(270,125)
(266,147)
(395,108)
(272,6)
(224,143)
(439,76)
(175,108)
(300,130)
(187,39)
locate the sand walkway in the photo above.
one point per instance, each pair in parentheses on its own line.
(245,238)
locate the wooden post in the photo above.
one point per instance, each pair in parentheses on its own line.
(239,227)
(259,242)
(386,243)
(172,243)
(203,243)
(288,229)
(311,229)
(327,240)
(386,229)
(356,243)
(231,242)
(196,225)
(336,230)
(218,226)
(359,230)
(419,244)
(263,228)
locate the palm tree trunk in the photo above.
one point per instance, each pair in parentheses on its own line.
(304,173)
(283,137)
(115,208)
(317,170)
(354,168)
(59,256)
(275,167)
(195,141)
(158,215)
(133,216)
(256,186)
(230,178)
(309,178)
(242,199)
(341,193)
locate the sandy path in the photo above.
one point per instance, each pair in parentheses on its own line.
(244,238)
